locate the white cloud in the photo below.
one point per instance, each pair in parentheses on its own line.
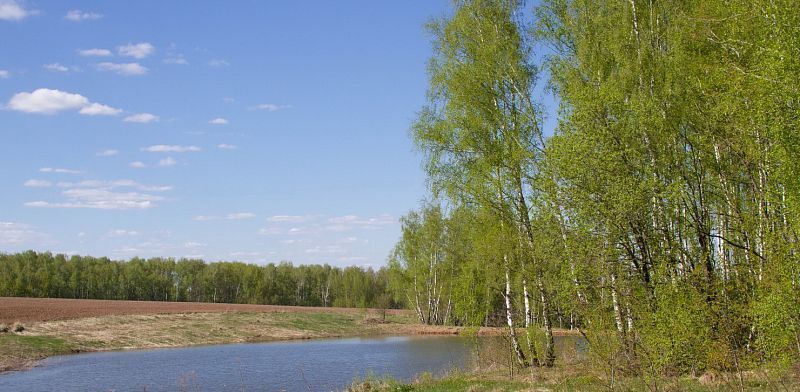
(59,170)
(137,165)
(167,162)
(350,222)
(176,60)
(94,52)
(271,231)
(56,67)
(79,16)
(316,225)
(143,118)
(271,107)
(139,51)
(122,233)
(218,121)
(172,148)
(224,146)
(13,10)
(103,195)
(231,216)
(113,184)
(193,244)
(47,101)
(127,69)
(107,153)
(96,109)
(328,250)
(12,233)
(4,74)
(101,199)
(218,63)
(240,215)
(290,218)
(37,184)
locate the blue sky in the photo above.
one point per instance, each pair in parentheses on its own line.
(251,130)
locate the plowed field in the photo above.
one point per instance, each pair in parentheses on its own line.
(14,309)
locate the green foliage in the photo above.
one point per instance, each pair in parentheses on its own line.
(32,274)
(660,217)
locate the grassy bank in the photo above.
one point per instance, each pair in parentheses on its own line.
(121,332)
(562,379)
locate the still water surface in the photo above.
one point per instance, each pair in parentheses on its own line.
(316,365)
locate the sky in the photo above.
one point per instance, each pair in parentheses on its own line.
(247,131)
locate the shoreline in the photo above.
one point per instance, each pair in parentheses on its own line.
(70,326)
(41,340)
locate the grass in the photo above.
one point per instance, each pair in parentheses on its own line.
(490,382)
(21,351)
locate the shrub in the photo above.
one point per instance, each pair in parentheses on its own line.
(18,327)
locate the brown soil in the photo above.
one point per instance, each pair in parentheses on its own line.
(14,309)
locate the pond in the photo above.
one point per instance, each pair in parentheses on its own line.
(311,365)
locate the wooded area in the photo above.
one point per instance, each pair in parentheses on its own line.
(661,216)
(44,275)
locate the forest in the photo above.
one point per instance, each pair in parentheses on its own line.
(659,218)
(44,275)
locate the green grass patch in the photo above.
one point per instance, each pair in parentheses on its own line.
(18,350)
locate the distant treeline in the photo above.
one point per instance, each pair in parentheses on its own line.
(32,274)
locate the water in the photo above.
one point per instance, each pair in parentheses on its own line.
(316,365)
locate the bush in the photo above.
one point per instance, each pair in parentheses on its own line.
(4,328)
(18,327)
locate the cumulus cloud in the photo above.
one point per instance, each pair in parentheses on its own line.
(271,107)
(107,153)
(94,52)
(143,118)
(95,194)
(224,146)
(96,109)
(59,170)
(80,16)
(14,11)
(167,162)
(55,67)
(171,148)
(38,184)
(47,101)
(218,121)
(137,164)
(127,69)
(138,51)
